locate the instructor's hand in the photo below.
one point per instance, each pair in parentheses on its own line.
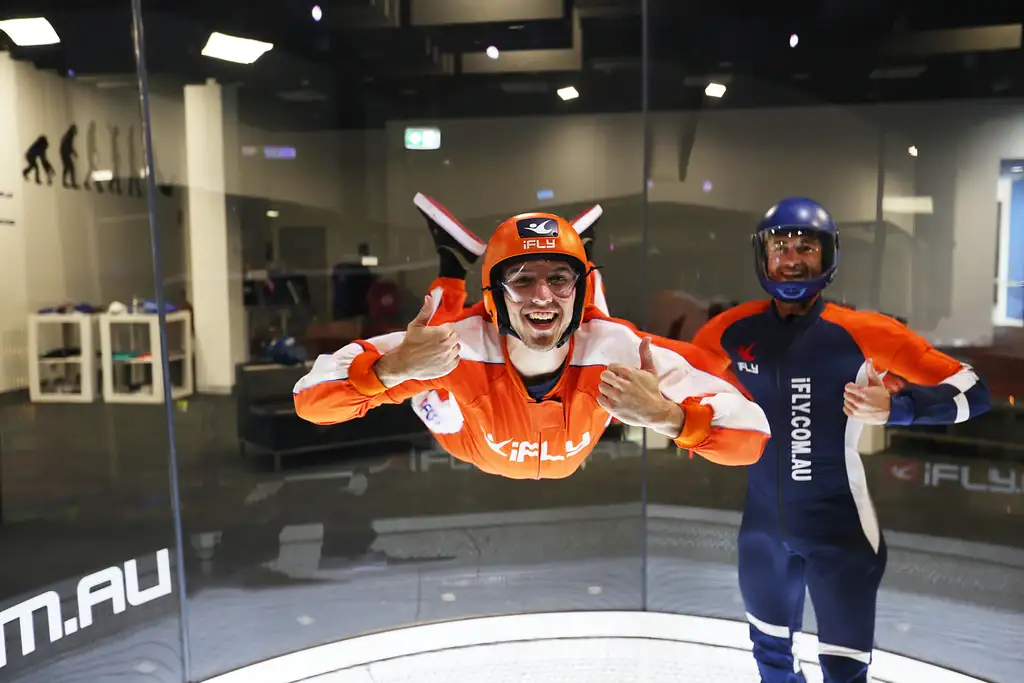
(427,352)
(870,404)
(633,396)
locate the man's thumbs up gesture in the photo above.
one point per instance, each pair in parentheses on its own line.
(869,404)
(633,396)
(426,352)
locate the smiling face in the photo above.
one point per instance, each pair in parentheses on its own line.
(539,296)
(793,256)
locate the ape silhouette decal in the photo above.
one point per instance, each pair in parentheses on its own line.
(92,157)
(35,156)
(68,156)
(134,186)
(115,159)
(95,176)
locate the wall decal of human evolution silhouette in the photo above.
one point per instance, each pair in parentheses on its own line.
(104,179)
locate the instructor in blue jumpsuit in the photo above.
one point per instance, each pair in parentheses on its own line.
(817,370)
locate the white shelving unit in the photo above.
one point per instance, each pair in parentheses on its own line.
(130,350)
(56,330)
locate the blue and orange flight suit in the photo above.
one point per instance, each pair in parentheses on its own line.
(808,520)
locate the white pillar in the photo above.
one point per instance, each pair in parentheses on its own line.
(232,157)
(13,255)
(212,290)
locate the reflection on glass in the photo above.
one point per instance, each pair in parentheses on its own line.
(307,164)
(88,587)
(318,210)
(922,503)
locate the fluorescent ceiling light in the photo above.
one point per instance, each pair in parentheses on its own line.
(101,176)
(28,32)
(569,93)
(234,49)
(895,204)
(273,213)
(714,90)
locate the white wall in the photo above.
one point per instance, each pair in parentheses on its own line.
(987,134)
(934,269)
(492,168)
(752,158)
(83,245)
(74,245)
(336,181)
(311,178)
(13,279)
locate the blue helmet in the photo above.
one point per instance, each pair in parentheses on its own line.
(797,216)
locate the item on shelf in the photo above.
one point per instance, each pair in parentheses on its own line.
(147,306)
(70,308)
(63,352)
(285,351)
(139,306)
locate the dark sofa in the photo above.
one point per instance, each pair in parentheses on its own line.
(267,421)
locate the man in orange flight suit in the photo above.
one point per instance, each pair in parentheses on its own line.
(535,372)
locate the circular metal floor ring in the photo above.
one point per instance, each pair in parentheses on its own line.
(582,647)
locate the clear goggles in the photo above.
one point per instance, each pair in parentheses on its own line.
(522,283)
(781,246)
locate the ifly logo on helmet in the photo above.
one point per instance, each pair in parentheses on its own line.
(538,233)
(537,227)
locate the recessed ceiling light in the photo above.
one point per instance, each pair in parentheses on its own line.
(29,32)
(714,90)
(235,49)
(568,93)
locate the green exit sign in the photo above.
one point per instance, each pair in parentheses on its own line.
(422,138)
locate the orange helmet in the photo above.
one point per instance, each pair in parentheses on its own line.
(526,237)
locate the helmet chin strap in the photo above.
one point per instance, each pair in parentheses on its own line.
(803,304)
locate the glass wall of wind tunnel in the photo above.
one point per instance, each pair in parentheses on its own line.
(303,233)
(507,138)
(87,537)
(924,196)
